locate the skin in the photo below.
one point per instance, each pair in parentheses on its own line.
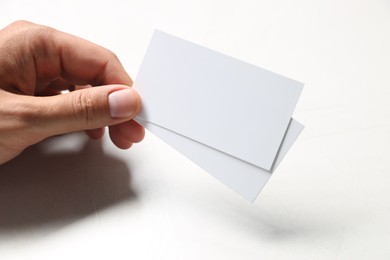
(37,63)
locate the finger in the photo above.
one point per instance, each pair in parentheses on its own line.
(61,84)
(52,88)
(86,109)
(36,53)
(130,130)
(118,139)
(84,62)
(95,134)
(48,92)
(39,86)
(78,87)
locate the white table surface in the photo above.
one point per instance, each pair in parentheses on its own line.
(70,198)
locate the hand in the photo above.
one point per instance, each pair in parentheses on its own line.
(37,64)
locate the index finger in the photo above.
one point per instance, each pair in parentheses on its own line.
(83,62)
(50,54)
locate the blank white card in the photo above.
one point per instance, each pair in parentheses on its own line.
(219,102)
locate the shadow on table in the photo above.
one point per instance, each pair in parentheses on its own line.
(39,188)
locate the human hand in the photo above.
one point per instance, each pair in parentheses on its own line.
(37,64)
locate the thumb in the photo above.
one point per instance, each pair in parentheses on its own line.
(85,109)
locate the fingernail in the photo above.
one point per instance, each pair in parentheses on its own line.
(123,103)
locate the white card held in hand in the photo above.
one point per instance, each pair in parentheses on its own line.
(244,178)
(217,101)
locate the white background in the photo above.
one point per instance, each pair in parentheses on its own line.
(329,199)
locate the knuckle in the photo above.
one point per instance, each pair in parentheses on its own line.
(21,27)
(28,31)
(84,107)
(112,55)
(19,23)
